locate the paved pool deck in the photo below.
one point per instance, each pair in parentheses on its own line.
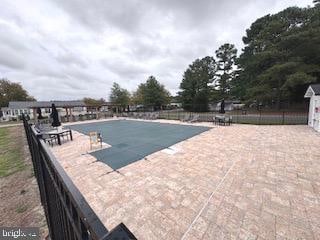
(233,182)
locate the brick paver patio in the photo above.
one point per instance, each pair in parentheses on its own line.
(237,182)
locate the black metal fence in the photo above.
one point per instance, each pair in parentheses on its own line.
(88,116)
(244,116)
(238,116)
(68,214)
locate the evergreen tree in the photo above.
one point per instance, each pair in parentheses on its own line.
(119,96)
(281,56)
(226,56)
(195,85)
(152,94)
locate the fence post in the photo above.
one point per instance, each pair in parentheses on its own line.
(259,116)
(283,117)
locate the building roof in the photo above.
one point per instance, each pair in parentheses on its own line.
(316,88)
(44,104)
(313,89)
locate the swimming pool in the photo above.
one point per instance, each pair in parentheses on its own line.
(134,140)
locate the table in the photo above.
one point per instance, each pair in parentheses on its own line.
(59,133)
(220,119)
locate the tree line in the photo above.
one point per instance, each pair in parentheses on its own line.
(280,58)
(11,91)
(151,94)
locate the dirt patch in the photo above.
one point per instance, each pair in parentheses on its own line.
(20,200)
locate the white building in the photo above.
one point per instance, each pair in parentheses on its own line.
(228,106)
(313,92)
(65,108)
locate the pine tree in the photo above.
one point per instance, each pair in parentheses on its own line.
(226,56)
(195,85)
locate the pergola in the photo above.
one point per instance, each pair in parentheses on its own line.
(107,104)
(67,105)
(34,105)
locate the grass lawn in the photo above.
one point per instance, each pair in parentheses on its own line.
(20,201)
(10,122)
(11,153)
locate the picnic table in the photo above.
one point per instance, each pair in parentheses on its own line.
(60,133)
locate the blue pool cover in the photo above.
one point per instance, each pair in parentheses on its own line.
(133,140)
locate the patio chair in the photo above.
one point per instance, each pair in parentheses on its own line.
(228,120)
(150,116)
(155,116)
(195,118)
(218,119)
(147,116)
(49,139)
(95,138)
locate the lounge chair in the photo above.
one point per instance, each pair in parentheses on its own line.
(156,116)
(150,116)
(195,118)
(222,120)
(186,118)
(135,115)
(218,119)
(45,127)
(147,116)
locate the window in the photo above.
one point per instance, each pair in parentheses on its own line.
(78,109)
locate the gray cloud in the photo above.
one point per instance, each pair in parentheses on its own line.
(123,68)
(69,58)
(10,58)
(122,14)
(77,48)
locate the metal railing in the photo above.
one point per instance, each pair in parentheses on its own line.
(68,214)
(88,116)
(239,116)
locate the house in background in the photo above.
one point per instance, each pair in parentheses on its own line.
(65,108)
(313,92)
(228,105)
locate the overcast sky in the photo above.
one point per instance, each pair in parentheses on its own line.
(70,49)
